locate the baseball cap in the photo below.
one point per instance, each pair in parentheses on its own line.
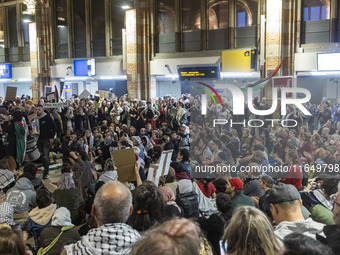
(282,193)
(237,183)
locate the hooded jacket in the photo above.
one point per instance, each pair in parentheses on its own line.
(61,218)
(21,196)
(39,219)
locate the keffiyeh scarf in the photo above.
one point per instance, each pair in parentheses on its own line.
(113,238)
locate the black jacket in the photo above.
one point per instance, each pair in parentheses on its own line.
(332,233)
(47,128)
(214,227)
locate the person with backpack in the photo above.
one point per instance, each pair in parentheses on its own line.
(148,115)
(61,232)
(187,199)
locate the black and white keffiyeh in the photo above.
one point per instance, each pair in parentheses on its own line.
(6,178)
(109,239)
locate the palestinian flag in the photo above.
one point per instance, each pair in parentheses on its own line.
(21,141)
(261,83)
(56,94)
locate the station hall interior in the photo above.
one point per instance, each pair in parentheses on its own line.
(137,47)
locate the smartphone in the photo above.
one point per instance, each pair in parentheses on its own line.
(223,249)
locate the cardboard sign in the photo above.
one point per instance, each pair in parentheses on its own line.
(164,163)
(85,94)
(125,162)
(11,93)
(152,174)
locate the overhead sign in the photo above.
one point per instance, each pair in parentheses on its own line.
(239,60)
(329,61)
(199,71)
(5,71)
(85,67)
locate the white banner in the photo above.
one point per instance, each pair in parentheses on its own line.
(56,105)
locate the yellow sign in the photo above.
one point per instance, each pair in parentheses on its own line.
(239,60)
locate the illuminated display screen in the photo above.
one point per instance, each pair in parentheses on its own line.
(84,67)
(5,71)
(204,72)
(329,61)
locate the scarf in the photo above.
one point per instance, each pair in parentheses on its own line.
(37,123)
(112,238)
(6,178)
(109,176)
(182,176)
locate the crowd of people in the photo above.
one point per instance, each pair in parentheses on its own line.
(248,209)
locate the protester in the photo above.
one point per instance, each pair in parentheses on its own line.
(234,188)
(41,216)
(250,232)
(52,239)
(11,242)
(175,237)
(66,194)
(111,209)
(285,206)
(148,207)
(299,244)
(47,131)
(215,225)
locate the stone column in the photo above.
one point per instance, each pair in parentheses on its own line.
(40,50)
(280,35)
(138,50)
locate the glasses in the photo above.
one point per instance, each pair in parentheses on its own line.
(332,199)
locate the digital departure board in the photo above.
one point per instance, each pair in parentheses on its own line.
(84,67)
(5,71)
(199,72)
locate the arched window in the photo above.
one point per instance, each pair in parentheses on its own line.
(315,10)
(218,24)
(218,14)
(166,16)
(244,16)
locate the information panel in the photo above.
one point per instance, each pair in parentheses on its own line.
(329,61)
(199,71)
(5,71)
(84,67)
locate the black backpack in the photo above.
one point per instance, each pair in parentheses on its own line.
(189,203)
